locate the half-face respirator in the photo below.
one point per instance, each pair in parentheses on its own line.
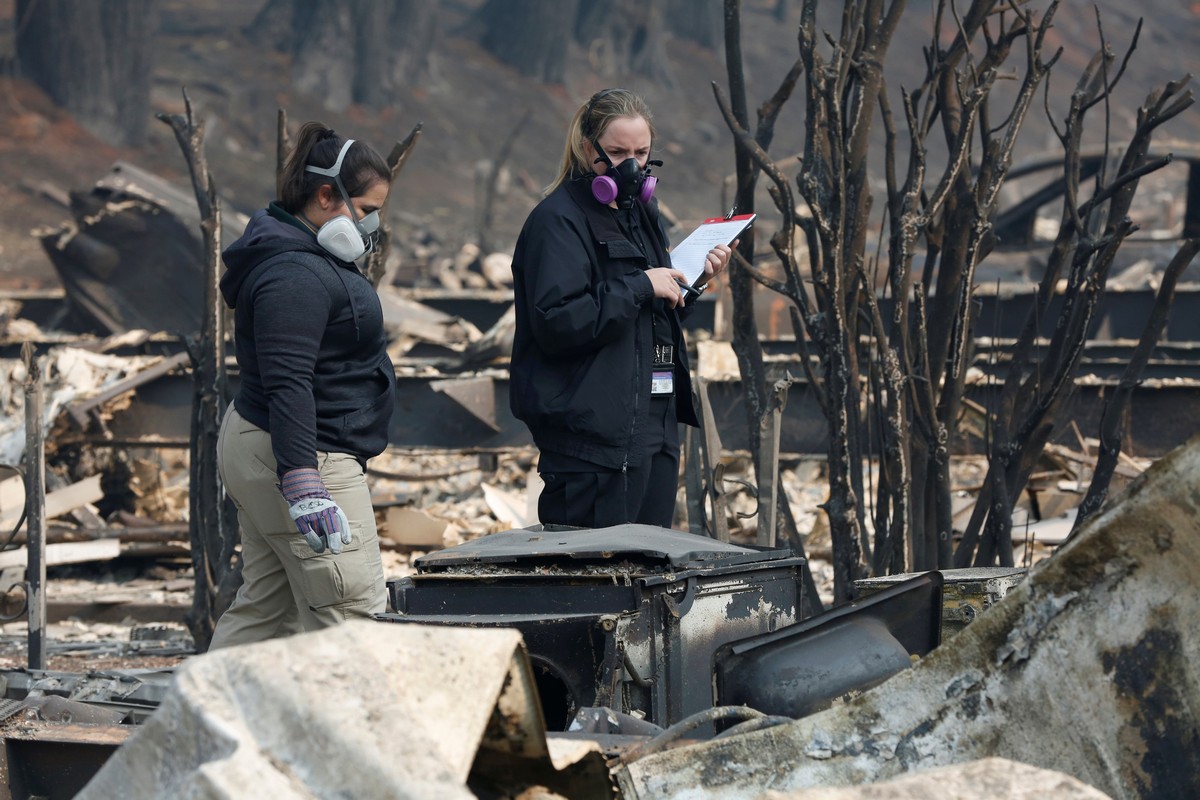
(623,182)
(345,237)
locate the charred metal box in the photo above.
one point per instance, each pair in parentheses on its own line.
(627,617)
(966,593)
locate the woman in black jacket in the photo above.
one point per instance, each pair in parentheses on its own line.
(599,367)
(316,395)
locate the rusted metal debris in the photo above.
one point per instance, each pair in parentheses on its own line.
(152,406)
(55,760)
(627,617)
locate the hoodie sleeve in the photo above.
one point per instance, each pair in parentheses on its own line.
(291,312)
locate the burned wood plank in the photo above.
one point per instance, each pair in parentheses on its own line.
(81,409)
(115,612)
(65,553)
(34,556)
(176,533)
(57,503)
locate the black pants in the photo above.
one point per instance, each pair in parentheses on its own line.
(599,498)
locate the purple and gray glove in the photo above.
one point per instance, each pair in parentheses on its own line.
(318,518)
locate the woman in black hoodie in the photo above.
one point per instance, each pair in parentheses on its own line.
(316,395)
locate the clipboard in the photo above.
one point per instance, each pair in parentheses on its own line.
(689,255)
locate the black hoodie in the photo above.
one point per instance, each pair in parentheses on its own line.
(309,338)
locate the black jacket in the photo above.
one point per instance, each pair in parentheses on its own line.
(309,337)
(583,347)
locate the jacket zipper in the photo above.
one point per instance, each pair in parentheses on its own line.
(637,401)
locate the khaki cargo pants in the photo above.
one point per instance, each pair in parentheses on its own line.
(288,588)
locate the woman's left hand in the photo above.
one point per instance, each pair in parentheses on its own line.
(717,261)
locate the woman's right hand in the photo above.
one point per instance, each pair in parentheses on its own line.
(666,285)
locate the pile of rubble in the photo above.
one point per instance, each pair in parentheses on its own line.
(1080,683)
(463,705)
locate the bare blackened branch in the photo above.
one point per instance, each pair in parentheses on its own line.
(283,146)
(768,112)
(1112,425)
(757,275)
(397,158)
(1109,85)
(212,528)
(783,198)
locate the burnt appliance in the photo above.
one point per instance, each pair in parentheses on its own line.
(628,617)
(805,667)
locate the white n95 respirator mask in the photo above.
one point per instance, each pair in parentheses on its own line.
(349,239)
(345,237)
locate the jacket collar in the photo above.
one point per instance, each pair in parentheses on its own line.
(603,222)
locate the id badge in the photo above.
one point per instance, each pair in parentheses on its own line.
(662,382)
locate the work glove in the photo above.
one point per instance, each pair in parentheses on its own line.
(320,521)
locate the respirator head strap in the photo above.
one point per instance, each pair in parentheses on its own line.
(335,172)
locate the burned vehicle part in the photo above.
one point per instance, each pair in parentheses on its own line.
(803,668)
(626,617)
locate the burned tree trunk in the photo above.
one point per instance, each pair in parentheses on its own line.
(212,518)
(745,328)
(93,59)
(625,37)
(351,51)
(750,160)
(1036,392)
(531,36)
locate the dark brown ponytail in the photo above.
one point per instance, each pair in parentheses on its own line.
(319,146)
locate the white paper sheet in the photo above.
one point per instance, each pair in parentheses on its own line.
(689,255)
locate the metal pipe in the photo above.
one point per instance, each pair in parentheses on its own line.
(686,725)
(35,499)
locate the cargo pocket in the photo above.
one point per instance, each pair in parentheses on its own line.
(327,580)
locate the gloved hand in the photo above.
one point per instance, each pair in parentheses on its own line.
(318,518)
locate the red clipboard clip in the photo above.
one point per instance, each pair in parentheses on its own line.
(739,217)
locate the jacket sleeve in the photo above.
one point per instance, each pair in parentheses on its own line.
(291,311)
(570,310)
